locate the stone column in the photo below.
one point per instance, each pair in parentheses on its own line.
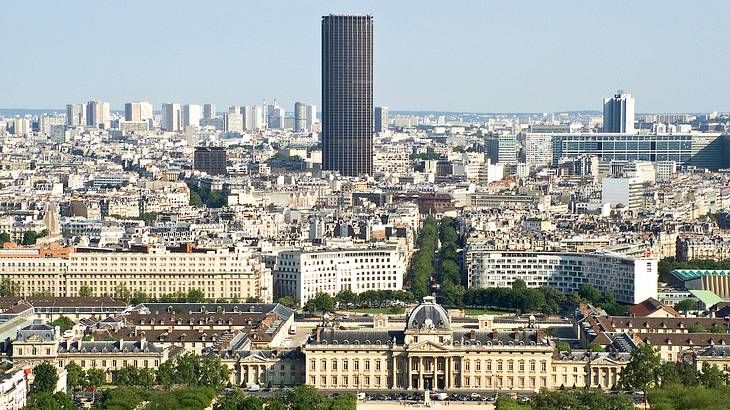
(420,373)
(394,369)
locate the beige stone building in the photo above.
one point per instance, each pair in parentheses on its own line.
(219,273)
(431,354)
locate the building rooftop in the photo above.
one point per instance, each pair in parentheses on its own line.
(689,274)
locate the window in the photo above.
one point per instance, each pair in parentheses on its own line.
(345,365)
(377,365)
(367,364)
(466,365)
(499,365)
(478,365)
(334,365)
(532,365)
(356,365)
(312,365)
(510,365)
(323,380)
(324,364)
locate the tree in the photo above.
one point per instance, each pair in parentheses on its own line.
(304,398)
(696,328)
(595,347)
(95,378)
(85,291)
(641,372)
(589,293)
(139,297)
(166,374)
(64,323)
(519,285)
(711,376)
(8,288)
(452,294)
(562,346)
(187,368)
(685,305)
(254,299)
(196,200)
(49,401)
(213,373)
(29,238)
(508,403)
(123,293)
(196,296)
(4,237)
(669,374)
(717,329)
(321,302)
(289,301)
(45,378)
(346,297)
(75,376)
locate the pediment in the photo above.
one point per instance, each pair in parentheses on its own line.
(426,346)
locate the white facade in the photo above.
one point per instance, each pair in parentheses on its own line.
(192,114)
(630,280)
(138,111)
(303,274)
(622,191)
(538,149)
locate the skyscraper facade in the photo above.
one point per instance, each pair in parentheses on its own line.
(171,118)
(618,113)
(192,113)
(211,160)
(137,111)
(381,119)
(209,111)
(76,115)
(347,94)
(98,114)
(300,116)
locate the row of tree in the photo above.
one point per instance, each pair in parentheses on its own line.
(29,237)
(298,398)
(580,399)
(132,398)
(373,298)
(422,265)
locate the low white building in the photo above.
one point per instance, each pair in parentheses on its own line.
(304,273)
(631,280)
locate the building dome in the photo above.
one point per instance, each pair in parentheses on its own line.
(428,316)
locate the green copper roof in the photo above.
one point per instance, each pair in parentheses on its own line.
(707,297)
(689,274)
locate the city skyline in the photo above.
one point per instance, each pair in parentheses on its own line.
(426,62)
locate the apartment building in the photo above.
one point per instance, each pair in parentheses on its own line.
(631,280)
(304,273)
(220,273)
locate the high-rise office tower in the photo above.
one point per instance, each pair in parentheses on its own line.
(211,160)
(171,118)
(233,120)
(208,111)
(76,115)
(137,111)
(618,113)
(381,119)
(300,116)
(311,117)
(97,114)
(347,94)
(192,113)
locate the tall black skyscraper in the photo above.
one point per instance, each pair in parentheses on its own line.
(347,94)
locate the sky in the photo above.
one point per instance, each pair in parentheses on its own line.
(455,55)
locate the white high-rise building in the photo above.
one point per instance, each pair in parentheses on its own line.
(21,126)
(618,113)
(98,114)
(171,119)
(233,122)
(46,122)
(311,117)
(192,113)
(76,115)
(138,111)
(300,116)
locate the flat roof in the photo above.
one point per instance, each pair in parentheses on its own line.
(689,274)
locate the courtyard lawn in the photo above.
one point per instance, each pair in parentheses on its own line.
(479,311)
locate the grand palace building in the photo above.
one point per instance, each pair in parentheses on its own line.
(432,354)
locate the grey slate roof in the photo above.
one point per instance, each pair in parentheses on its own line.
(360,336)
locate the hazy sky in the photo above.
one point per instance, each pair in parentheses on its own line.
(475,55)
